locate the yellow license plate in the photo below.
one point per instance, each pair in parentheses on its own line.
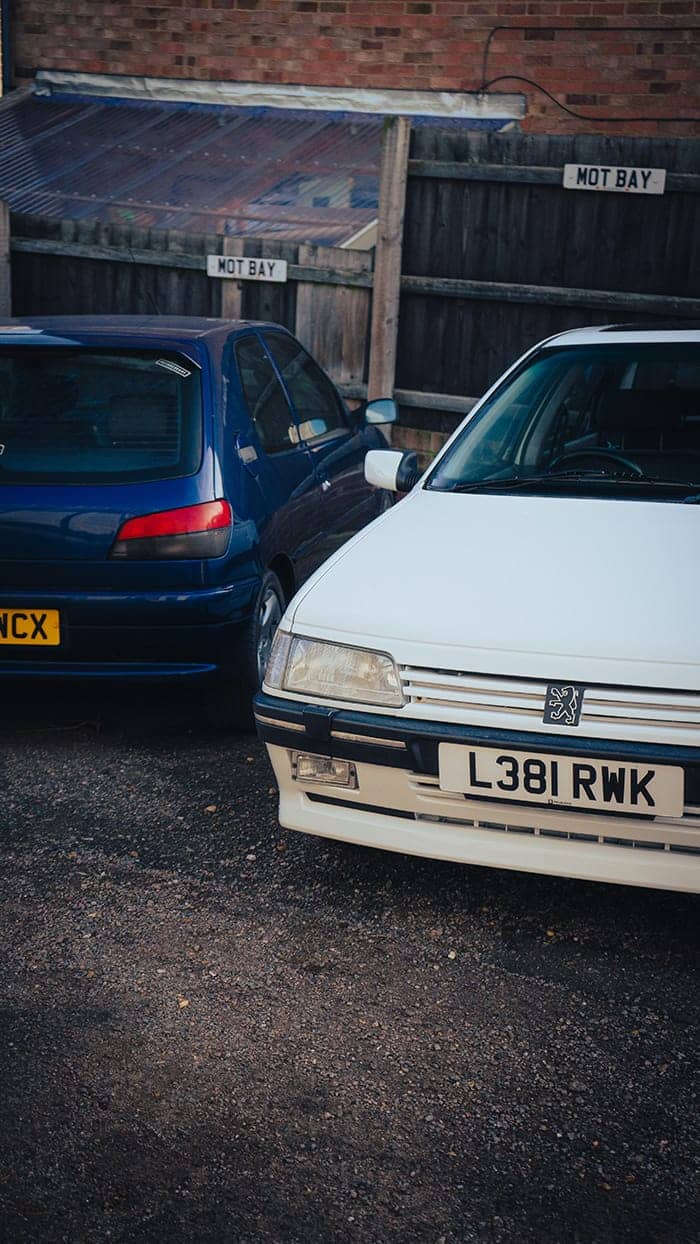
(30,626)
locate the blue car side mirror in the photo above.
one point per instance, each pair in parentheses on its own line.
(381,410)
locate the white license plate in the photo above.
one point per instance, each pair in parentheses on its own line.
(580,782)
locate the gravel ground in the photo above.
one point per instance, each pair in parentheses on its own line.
(217,1031)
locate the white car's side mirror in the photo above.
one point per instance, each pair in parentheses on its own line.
(391,469)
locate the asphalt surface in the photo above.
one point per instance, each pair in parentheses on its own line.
(213,1030)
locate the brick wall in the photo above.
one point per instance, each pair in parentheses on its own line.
(437,44)
(424,441)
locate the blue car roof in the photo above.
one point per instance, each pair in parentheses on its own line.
(178,329)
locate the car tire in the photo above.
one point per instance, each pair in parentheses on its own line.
(231,702)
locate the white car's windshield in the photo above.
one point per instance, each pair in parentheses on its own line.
(620,418)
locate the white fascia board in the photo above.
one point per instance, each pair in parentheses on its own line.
(455,104)
(364,239)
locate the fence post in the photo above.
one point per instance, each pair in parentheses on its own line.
(5,301)
(232,291)
(387,267)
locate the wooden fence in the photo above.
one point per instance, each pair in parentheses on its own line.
(498,255)
(65,267)
(77,267)
(481,251)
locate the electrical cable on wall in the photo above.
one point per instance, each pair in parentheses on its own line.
(580,116)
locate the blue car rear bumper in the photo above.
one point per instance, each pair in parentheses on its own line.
(158,635)
(144,671)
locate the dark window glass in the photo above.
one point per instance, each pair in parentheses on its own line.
(98,416)
(629,411)
(318,407)
(264,395)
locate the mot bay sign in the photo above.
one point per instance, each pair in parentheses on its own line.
(241,268)
(610,177)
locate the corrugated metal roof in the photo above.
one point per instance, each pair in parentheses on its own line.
(308,176)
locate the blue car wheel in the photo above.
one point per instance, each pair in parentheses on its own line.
(270,608)
(230,703)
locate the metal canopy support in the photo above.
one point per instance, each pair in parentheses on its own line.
(387,268)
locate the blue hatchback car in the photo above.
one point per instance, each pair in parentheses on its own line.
(165,486)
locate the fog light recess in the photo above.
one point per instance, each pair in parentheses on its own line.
(323,770)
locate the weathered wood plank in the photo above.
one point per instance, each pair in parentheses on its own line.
(388,258)
(544,235)
(332,276)
(332,321)
(111,254)
(31,273)
(5,283)
(493,291)
(268,300)
(454,170)
(123,293)
(173,258)
(452,403)
(678,155)
(231,291)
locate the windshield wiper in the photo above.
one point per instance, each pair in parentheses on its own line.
(558,478)
(523,481)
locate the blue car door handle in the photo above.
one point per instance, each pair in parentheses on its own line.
(325,484)
(248,455)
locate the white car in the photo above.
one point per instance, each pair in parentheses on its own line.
(504,669)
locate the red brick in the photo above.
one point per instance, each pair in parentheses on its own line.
(428,43)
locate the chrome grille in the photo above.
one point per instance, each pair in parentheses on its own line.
(638,714)
(653,833)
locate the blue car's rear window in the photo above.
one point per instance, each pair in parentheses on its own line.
(82,415)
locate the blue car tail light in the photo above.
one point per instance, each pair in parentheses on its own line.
(189,532)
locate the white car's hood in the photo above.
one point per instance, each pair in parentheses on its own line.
(540,587)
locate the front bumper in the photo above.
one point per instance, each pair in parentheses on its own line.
(398,804)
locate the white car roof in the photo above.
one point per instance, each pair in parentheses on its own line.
(624,334)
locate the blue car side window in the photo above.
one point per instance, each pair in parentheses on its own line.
(267,405)
(316,402)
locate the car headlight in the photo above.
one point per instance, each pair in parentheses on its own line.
(332,671)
